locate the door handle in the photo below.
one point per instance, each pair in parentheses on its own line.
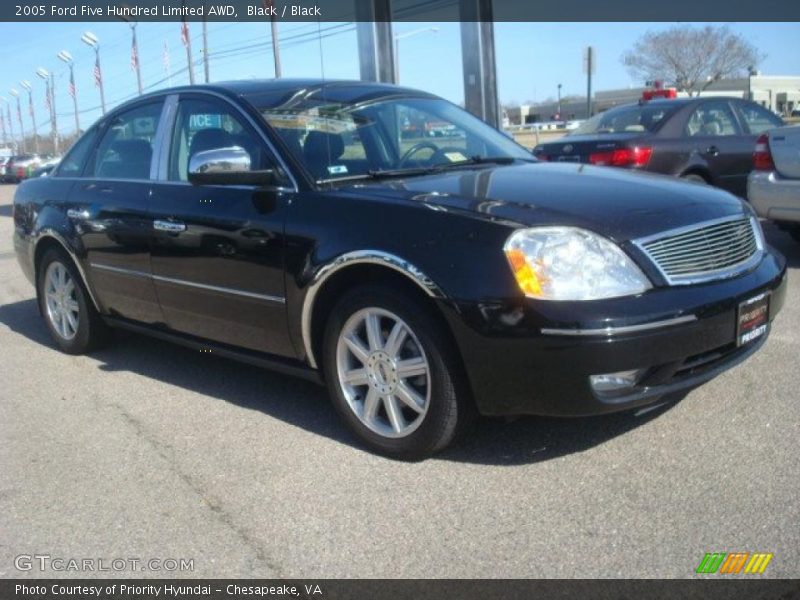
(171,226)
(712,151)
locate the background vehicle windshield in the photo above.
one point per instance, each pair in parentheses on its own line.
(626,119)
(335,140)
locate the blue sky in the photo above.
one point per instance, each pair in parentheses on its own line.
(532,58)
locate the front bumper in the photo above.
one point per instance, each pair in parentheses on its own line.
(774,197)
(514,368)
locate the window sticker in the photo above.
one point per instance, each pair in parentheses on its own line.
(454,156)
(337,169)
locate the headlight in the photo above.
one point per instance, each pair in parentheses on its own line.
(567,263)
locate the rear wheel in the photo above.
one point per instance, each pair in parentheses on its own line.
(795,233)
(392,373)
(694,177)
(73,322)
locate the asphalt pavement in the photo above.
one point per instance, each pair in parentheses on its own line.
(149,450)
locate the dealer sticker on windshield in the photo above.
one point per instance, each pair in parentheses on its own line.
(752,319)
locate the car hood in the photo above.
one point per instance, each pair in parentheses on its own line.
(616,203)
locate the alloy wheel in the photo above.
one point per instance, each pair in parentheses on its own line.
(383,372)
(63,310)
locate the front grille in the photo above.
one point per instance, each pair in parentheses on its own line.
(709,251)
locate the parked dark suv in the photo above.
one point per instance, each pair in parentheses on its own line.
(291,224)
(706,140)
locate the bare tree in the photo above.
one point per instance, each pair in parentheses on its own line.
(691,58)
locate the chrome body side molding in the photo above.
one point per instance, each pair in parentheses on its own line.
(612,331)
(194,284)
(360,257)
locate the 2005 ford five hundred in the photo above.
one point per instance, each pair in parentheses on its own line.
(386,242)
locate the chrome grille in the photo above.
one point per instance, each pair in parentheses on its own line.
(712,250)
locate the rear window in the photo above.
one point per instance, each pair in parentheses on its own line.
(626,119)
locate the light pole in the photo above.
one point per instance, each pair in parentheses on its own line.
(8,119)
(205,51)
(67,58)
(400,36)
(15,93)
(559,101)
(91,40)
(27,85)
(47,77)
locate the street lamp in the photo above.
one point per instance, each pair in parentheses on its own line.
(67,58)
(27,85)
(400,36)
(559,101)
(49,84)
(91,40)
(8,118)
(15,93)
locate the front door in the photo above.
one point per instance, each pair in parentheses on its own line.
(217,251)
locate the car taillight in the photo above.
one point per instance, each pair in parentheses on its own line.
(637,156)
(762,157)
(20,172)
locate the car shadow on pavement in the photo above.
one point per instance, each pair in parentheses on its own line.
(784,243)
(305,405)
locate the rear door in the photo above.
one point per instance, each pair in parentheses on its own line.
(217,251)
(719,142)
(109,205)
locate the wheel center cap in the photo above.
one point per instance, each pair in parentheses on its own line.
(382,373)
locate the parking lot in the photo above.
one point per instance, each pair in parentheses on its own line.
(149,450)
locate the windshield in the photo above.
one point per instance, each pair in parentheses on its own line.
(340,140)
(625,119)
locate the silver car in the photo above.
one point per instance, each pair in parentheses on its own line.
(773,186)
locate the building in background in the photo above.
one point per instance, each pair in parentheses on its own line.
(780,94)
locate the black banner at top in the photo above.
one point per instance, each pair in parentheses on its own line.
(400,10)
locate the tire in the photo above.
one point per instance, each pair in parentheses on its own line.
(694,178)
(85,330)
(795,233)
(435,384)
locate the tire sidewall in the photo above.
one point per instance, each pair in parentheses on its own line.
(440,421)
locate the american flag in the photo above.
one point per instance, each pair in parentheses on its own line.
(98,75)
(71,90)
(134,53)
(185,33)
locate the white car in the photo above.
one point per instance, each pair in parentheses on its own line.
(773,187)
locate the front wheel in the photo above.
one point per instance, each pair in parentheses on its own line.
(393,374)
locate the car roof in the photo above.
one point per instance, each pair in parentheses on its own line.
(267,93)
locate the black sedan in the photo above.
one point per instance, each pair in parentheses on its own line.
(706,140)
(294,225)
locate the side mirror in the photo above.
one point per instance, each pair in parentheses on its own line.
(226,166)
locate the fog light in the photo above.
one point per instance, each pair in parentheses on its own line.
(615,382)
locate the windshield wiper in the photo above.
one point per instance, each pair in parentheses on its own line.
(474,160)
(428,170)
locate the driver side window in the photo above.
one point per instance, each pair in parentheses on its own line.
(203,125)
